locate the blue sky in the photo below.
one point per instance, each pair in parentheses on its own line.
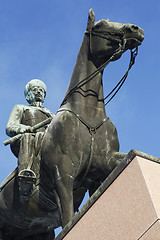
(41,39)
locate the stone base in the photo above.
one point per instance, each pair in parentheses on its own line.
(125,207)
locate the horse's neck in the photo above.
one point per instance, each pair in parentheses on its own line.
(83,101)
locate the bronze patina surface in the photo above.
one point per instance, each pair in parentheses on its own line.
(80,147)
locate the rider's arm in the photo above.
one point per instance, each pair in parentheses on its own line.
(14,125)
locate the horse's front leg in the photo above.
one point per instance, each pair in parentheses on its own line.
(63,175)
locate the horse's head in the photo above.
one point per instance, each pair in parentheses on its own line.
(110,38)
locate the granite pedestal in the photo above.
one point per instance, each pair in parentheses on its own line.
(125,207)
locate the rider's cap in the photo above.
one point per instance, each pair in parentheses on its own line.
(34,83)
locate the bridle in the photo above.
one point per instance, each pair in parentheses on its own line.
(120,38)
(121,41)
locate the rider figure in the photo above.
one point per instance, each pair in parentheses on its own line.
(21,121)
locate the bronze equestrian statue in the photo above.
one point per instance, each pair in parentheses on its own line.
(80,146)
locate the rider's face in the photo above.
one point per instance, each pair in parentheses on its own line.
(38,94)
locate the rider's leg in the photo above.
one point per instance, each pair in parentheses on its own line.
(25,160)
(26,151)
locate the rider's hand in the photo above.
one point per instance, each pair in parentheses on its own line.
(26,129)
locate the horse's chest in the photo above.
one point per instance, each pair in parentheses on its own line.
(72,138)
(104,143)
(78,137)
(106,137)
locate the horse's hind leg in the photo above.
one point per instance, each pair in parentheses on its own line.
(63,175)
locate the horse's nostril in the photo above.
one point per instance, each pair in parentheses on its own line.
(134,27)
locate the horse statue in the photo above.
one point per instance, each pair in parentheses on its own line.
(81,140)
(80,146)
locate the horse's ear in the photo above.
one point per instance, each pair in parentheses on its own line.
(91,19)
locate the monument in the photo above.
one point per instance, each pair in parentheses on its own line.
(79,148)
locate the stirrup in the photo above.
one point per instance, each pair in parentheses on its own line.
(27,175)
(27,178)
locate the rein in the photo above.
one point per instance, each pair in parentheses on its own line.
(90,77)
(115,90)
